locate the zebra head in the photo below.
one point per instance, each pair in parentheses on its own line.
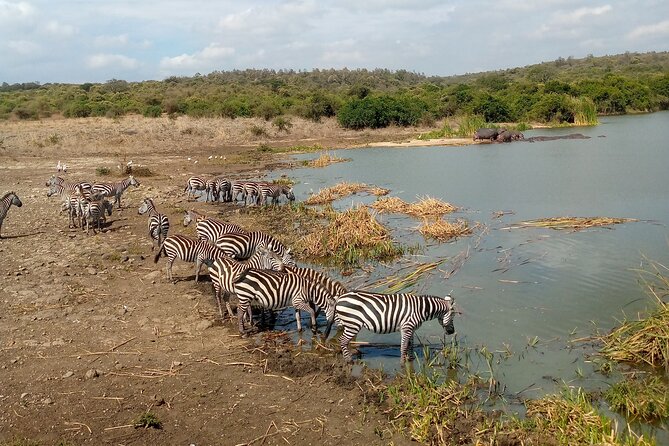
(446,320)
(54,189)
(269,259)
(287,258)
(187,218)
(144,208)
(288,192)
(133,181)
(16,201)
(54,180)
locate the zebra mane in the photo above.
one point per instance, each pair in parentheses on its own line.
(7,194)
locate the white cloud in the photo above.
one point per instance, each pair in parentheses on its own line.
(23,47)
(117,40)
(58,29)
(577,15)
(101,60)
(655,29)
(206,58)
(342,58)
(15,10)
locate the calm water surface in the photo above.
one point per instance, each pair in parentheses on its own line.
(522,285)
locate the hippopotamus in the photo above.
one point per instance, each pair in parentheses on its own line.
(509,135)
(485,133)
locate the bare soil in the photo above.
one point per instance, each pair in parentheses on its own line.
(93,336)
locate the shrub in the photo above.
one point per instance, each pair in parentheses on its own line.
(102,171)
(153,111)
(282,124)
(25,113)
(258,131)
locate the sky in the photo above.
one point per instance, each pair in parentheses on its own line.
(76,41)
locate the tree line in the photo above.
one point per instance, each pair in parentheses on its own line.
(557,92)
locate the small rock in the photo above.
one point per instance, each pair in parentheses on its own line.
(203,325)
(92,373)
(91,271)
(24,394)
(68,374)
(47,401)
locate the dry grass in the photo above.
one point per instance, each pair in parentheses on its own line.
(443,230)
(350,236)
(573,223)
(341,190)
(425,207)
(325,160)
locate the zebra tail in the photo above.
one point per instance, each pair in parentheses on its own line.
(160,251)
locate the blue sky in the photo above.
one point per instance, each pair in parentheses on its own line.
(79,41)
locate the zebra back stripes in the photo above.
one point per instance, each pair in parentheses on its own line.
(223,189)
(187,249)
(242,245)
(275,290)
(225,272)
(193,185)
(274,191)
(9,199)
(387,313)
(210,228)
(333,287)
(159,224)
(114,189)
(93,212)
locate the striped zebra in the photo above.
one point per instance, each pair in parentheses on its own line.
(209,228)
(241,246)
(93,213)
(388,313)
(187,249)
(224,272)
(274,191)
(211,190)
(115,189)
(9,199)
(275,290)
(85,186)
(159,224)
(223,189)
(193,185)
(333,287)
(71,202)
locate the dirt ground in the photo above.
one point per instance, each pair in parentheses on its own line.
(93,336)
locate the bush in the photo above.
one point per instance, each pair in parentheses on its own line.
(282,124)
(153,111)
(381,111)
(258,131)
(102,171)
(78,110)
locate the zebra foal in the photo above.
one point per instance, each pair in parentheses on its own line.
(388,313)
(9,199)
(159,224)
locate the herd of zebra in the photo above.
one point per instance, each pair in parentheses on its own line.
(254,266)
(223,189)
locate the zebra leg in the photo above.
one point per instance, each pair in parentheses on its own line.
(241,311)
(348,334)
(169,269)
(406,347)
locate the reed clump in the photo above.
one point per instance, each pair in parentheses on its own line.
(645,398)
(424,207)
(443,230)
(350,237)
(573,223)
(325,160)
(341,190)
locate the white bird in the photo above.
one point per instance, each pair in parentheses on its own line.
(195,162)
(59,167)
(129,163)
(64,167)
(189,158)
(210,157)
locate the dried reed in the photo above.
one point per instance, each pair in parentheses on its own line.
(325,160)
(443,230)
(426,206)
(573,223)
(330,194)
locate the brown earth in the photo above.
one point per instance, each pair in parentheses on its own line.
(93,336)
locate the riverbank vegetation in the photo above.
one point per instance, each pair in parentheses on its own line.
(572,91)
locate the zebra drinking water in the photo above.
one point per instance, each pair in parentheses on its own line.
(223,189)
(193,185)
(9,199)
(388,313)
(115,189)
(276,290)
(159,224)
(274,191)
(209,228)
(187,249)
(225,271)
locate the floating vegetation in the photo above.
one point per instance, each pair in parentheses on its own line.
(646,398)
(573,223)
(425,207)
(397,283)
(443,230)
(644,341)
(341,190)
(351,236)
(325,160)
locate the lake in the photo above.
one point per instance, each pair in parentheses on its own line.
(524,293)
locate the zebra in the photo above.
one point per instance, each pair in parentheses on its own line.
(209,228)
(275,290)
(194,184)
(93,212)
(333,287)
(85,186)
(71,202)
(223,189)
(159,224)
(187,249)
(225,271)
(274,191)
(210,189)
(115,189)
(242,245)
(388,313)
(9,199)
